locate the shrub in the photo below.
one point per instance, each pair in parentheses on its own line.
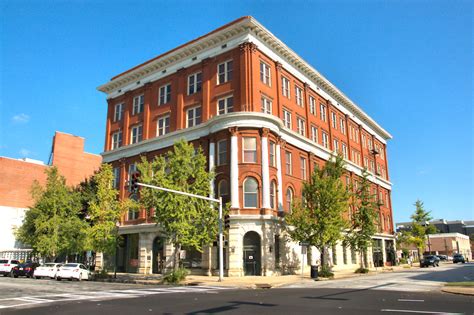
(362,270)
(403,260)
(101,274)
(325,272)
(175,277)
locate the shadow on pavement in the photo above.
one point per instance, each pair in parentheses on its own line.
(464,272)
(330,296)
(233,305)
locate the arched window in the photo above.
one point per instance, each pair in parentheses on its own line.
(289,198)
(250,193)
(223,191)
(273,201)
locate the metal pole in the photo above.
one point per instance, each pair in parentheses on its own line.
(221,243)
(221,240)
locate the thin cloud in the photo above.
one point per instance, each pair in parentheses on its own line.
(25,152)
(21,118)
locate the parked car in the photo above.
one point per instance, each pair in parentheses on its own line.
(458,258)
(6,266)
(429,260)
(24,270)
(48,270)
(442,257)
(73,271)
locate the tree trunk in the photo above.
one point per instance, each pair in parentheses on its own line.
(177,249)
(362,263)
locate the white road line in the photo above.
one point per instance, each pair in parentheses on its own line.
(407,300)
(418,312)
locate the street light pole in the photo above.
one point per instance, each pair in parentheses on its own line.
(221,236)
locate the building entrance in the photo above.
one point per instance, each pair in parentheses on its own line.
(252,254)
(158,255)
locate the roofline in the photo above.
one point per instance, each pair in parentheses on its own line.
(255,28)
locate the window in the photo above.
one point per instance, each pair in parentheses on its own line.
(266,105)
(273,201)
(344,150)
(132,168)
(138,103)
(372,166)
(303,167)
(133,215)
(335,145)
(222,152)
(272,153)
(118,112)
(285,86)
(224,72)
(163,125)
(364,141)
(381,153)
(378,169)
(301,128)
(250,150)
(116,180)
(223,190)
(225,105)
(322,112)
(370,143)
(250,193)
(299,96)
(325,140)
(193,116)
(289,198)
(288,163)
(334,120)
(194,83)
(116,140)
(366,162)
(265,75)
(287,119)
(165,94)
(312,105)
(342,126)
(137,134)
(314,134)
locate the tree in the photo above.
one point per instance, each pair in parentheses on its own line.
(420,227)
(104,211)
(363,224)
(52,226)
(318,218)
(187,221)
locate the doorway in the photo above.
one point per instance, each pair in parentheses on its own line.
(252,254)
(158,255)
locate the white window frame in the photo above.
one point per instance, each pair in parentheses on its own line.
(117,140)
(272,154)
(273,195)
(342,126)
(139,134)
(314,133)
(196,120)
(250,192)
(138,104)
(303,167)
(287,118)
(285,86)
(267,105)
(299,96)
(344,150)
(334,120)
(288,163)
(265,73)
(196,86)
(225,101)
(226,74)
(118,112)
(246,149)
(312,105)
(289,198)
(322,111)
(221,151)
(165,128)
(301,126)
(164,94)
(325,139)
(335,145)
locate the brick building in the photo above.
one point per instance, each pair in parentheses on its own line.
(264,118)
(18,175)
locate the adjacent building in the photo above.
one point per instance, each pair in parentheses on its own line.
(17,177)
(265,119)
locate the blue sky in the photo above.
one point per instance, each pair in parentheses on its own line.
(408,64)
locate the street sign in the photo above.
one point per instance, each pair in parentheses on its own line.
(303,243)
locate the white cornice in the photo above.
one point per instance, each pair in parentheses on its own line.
(223,122)
(247,26)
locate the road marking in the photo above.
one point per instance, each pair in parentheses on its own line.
(418,312)
(407,300)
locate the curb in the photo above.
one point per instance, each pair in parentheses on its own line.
(457,290)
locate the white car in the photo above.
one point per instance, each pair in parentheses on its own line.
(49,270)
(6,266)
(73,271)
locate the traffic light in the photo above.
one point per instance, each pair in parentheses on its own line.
(134,182)
(226,221)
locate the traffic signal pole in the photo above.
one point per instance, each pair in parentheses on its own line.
(221,233)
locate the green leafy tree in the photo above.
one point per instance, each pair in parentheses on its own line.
(364,220)
(187,221)
(318,219)
(52,226)
(420,227)
(104,211)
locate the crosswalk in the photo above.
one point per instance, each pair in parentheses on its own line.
(31,301)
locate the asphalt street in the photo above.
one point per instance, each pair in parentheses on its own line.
(388,293)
